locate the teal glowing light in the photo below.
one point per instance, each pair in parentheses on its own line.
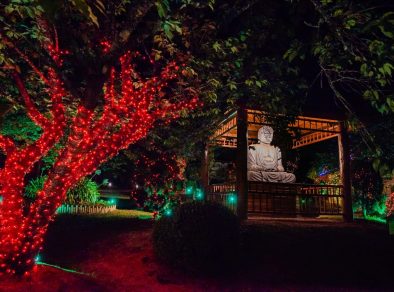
(1,199)
(232,198)
(189,190)
(112,201)
(168,212)
(199,194)
(37,259)
(63,269)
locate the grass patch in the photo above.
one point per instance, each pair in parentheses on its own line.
(287,255)
(71,236)
(117,215)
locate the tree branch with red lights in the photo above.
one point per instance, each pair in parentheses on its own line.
(156,178)
(133,105)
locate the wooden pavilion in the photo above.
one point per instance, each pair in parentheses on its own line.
(238,130)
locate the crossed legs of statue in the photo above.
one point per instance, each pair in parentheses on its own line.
(271,176)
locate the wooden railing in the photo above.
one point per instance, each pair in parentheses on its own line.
(223,194)
(283,199)
(81,209)
(292,199)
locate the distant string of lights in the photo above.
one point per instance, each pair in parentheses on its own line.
(158,179)
(390,204)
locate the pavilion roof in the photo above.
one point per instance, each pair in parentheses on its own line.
(304,130)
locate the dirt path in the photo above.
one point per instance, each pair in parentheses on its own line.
(118,256)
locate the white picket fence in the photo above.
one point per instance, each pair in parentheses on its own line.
(81,209)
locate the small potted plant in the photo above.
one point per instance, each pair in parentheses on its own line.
(390,212)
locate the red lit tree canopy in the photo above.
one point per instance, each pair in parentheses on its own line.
(132,106)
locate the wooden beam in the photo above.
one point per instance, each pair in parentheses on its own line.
(256,119)
(225,126)
(313,129)
(205,171)
(241,162)
(312,139)
(344,166)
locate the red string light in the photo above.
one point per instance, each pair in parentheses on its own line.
(127,116)
(390,204)
(164,168)
(105,46)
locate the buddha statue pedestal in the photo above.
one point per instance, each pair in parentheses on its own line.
(265,165)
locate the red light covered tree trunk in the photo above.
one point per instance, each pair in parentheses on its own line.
(130,111)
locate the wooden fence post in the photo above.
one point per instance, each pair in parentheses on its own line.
(344,166)
(205,172)
(241,162)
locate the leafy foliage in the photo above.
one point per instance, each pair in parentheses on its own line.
(34,186)
(367,188)
(324,169)
(381,152)
(198,236)
(361,32)
(85,192)
(157,176)
(19,126)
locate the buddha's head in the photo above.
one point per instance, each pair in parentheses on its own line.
(265,135)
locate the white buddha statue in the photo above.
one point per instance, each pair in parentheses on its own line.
(265,160)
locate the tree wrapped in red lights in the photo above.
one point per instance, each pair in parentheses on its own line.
(132,107)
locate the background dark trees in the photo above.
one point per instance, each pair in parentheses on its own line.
(327,58)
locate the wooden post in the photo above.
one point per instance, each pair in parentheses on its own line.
(344,166)
(241,162)
(205,171)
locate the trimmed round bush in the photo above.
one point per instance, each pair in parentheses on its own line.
(198,236)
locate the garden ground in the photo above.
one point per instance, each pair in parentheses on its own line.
(114,253)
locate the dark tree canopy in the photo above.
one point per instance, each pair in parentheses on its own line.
(321,57)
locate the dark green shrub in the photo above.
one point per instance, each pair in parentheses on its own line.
(86,192)
(198,236)
(367,188)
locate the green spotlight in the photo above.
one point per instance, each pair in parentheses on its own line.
(189,190)
(232,198)
(199,194)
